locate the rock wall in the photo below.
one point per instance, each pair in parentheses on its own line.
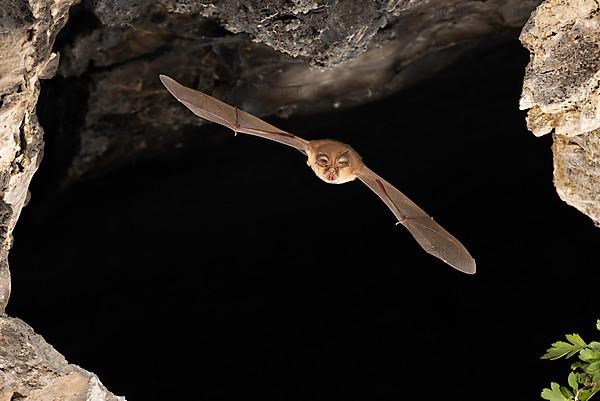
(562,92)
(577,172)
(27,33)
(31,370)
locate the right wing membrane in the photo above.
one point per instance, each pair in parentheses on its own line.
(432,237)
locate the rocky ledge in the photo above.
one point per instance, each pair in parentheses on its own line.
(30,369)
(562,92)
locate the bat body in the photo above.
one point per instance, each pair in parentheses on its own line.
(335,163)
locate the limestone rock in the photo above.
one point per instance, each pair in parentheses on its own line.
(577,172)
(301,56)
(27,33)
(562,81)
(562,92)
(31,370)
(331,32)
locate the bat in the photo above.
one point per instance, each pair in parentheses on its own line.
(335,163)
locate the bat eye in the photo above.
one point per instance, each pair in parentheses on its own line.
(322,160)
(343,161)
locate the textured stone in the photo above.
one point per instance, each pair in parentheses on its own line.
(562,80)
(27,33)
(31,370)
(330,32)
(301,56)
(562,92)
(577,172)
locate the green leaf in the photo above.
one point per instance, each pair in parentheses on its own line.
(589,355)
(557,350)
(566,392)
(553,393)
(594,392)
(576,339)
(593,368)
(598,324)
(573,381)
(560,349)
(584,395)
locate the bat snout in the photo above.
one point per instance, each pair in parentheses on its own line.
(331,175)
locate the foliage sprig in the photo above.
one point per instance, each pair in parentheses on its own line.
(584,379)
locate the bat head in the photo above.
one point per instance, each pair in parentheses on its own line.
(333,162)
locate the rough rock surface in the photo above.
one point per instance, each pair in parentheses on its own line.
(329,32)
(31,370)
(286,57)
(562,81)
(577,172)
(27,33)
(562,92)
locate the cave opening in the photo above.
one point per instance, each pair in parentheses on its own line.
(226,269)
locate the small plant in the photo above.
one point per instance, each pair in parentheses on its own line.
(584,379)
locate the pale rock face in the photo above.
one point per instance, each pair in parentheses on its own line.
(562,81)
(562,92)
(27,33)
(577,172)
(31,370)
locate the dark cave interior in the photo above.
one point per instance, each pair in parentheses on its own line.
(228,270)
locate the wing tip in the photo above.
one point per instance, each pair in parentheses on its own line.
(469,267)
(168,82)
(472,269)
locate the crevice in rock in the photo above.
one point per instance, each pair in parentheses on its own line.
(17,397)
(82,22)
(18,166)
(61,109)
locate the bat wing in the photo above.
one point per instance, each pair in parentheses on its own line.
(429,234)
(214,110)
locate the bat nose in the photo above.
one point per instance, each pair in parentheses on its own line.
(332,174)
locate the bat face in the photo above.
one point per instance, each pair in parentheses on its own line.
(333,162)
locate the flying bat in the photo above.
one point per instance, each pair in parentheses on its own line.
(335,163)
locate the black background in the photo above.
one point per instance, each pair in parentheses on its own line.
(232,272)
